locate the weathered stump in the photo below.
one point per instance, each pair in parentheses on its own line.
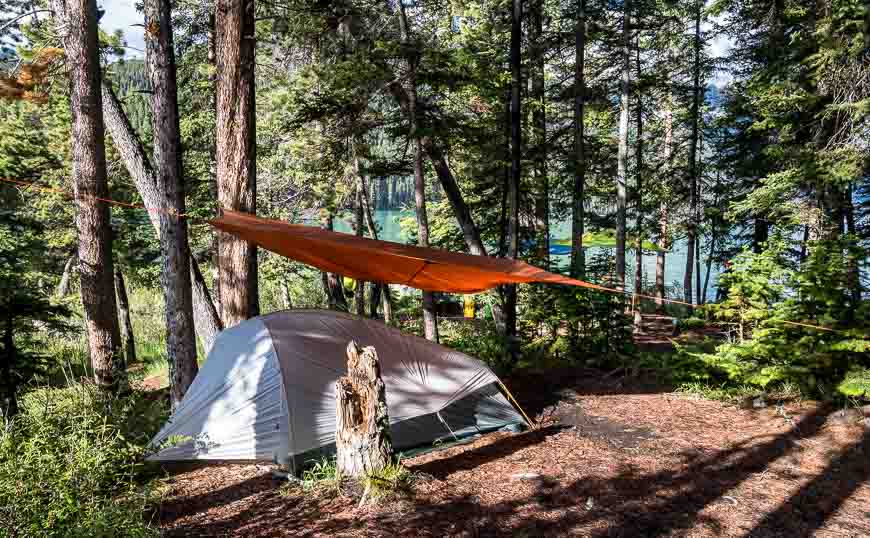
(362,430)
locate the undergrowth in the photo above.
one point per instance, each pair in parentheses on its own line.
(323,476)
(71,464)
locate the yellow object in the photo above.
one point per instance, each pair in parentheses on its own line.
(469,306)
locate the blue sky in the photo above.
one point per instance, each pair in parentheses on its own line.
(122,15)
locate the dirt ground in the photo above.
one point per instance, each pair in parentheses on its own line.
(610,457)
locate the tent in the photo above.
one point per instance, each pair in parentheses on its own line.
(266,391)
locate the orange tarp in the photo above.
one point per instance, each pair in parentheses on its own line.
(384,261)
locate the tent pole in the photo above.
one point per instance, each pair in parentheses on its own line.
(516,403)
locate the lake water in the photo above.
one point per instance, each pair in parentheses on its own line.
(390,230)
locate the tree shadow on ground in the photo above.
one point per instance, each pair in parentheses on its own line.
(538,390)
(630,504)
(469,459)
(177,508)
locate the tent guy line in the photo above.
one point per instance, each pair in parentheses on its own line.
(403,251)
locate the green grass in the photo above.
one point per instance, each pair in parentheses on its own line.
(323,476)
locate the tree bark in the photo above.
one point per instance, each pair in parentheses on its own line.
(208,323)
(384,289)
(285,296)
(448,183)
(578,257)
(77,24)
(664,241)
(692,227)
(362,429)
(854,269)
(332,282)
(359,292)
(622,154)
(539,121)
(510,291)
(236,154)
(639,208)
(175,274)
(68,268)
(430,316)
(127,339)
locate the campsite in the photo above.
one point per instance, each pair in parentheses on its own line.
(420,268)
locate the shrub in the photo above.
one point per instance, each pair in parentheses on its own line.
(71,464)
(575,324)
(689,324)
(793,323)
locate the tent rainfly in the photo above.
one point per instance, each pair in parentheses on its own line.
(267,390)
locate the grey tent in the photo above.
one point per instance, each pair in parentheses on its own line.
(266,391)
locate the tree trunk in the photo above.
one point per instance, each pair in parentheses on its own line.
(710,254)
(362,429)
(854,269)
(539,121)
(286,302)
(374,299)
(175,275)
(236,154)
(664,241)
(759,234)
(699,211)
(211,59)
(692,227)
(578,257)
(622,154)
(448,183)
(359,292)
(333,285)
(430,316)
(383,289)
(126,324)
(78,27)
(639,208)
(208,323)
(68,268)
(510,291)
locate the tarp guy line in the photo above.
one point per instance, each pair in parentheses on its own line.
(72,196)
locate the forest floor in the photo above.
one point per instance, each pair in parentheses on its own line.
(610,456)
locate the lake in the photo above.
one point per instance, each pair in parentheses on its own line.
(390,230)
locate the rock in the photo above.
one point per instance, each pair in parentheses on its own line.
(525,476)
(866,410)
(752,402)
(847,416)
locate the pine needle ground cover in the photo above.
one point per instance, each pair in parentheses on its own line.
(612,457)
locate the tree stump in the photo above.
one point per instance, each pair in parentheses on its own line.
(362,430)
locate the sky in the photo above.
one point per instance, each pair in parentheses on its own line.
(122,15)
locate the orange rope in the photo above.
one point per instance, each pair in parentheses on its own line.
(72,196)
(187,215)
